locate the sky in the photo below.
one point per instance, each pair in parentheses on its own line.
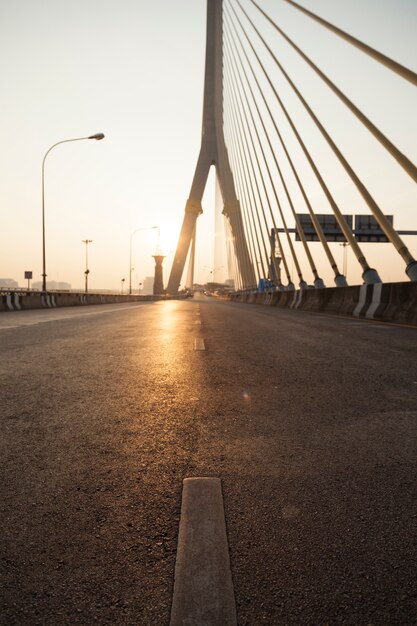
(134,70)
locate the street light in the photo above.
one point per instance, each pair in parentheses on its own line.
(122,282)
(130,253)
(97,136)
(87,271)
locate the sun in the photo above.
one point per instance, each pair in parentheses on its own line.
(168,240)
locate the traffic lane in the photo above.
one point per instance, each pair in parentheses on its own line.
(17,319)
(312,426)
(210,435)
(98,425)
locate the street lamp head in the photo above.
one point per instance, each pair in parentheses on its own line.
(97,136)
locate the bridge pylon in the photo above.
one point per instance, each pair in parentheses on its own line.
(213,152)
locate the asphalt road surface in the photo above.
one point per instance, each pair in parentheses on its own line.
(310,421)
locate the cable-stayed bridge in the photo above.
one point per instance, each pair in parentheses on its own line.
(264,134)
(193,461)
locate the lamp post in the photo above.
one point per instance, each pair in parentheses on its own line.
(97,136)
(130,253)
(87,271)
(122,283)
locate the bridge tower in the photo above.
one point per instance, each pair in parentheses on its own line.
(213,152)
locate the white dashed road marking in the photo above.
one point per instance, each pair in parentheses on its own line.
(203,587)
(199,344)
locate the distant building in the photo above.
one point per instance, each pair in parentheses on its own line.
(8,283)
(147,287)
(52,285)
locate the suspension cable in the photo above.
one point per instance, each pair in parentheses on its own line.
(239,110)
(339,216)
(273,261)
(405,163)
(248,215)
(248,225)
(315,222)
(399,69)
(383,222)
(245,160)
(244,187)
(339,278)
(274,190)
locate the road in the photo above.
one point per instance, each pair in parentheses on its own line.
(309,420)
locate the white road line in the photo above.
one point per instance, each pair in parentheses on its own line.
(199,344)
(203,587)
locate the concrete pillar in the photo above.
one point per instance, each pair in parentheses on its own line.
(213,152)
(158,283)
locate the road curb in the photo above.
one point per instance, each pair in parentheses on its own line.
(203,587)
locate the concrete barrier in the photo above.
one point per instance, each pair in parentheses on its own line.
(3,304)
(31,301)
(364,301)
(401,306)
(9,302)
(12,301)
(340,300)
(66,299)
(48,300)
(350,300)
(390,302)
(284,298)
(375,305)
